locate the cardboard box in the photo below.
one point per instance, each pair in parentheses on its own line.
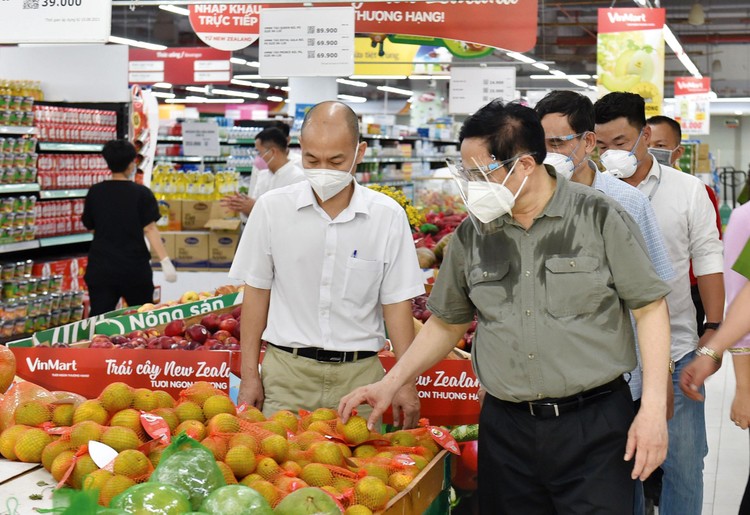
(222,219)
(423,490)
(171,215)
(702,166)
(195,214)
(168,240)
(703,150)
(221,248)
(191,249)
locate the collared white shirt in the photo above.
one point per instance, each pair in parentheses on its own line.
(688,223)
(288,174)
(328,278)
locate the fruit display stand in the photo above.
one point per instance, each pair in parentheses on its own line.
(427,494)
(63,353)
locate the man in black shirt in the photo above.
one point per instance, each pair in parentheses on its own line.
(121,212)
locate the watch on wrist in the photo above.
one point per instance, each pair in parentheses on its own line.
(705,351)
(671,366)
(711,325)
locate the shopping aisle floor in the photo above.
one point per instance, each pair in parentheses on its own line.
(726,466)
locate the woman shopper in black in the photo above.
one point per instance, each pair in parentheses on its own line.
(121,212)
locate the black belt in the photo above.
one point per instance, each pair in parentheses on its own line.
(327,356)
(551,408)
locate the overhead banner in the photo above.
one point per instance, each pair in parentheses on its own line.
(473,87)
(185,65)
(226,26)
(308,41)
(400,59)
(471,23)
(693,109)
(630,54)
(55,21)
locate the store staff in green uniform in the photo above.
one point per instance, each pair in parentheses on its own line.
(551,268)
(327,264)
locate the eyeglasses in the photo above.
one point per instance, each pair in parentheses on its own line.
(478,171)
(559,141)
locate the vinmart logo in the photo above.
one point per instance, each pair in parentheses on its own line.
(626,18)
(695,86)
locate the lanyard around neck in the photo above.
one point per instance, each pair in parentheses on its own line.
(658,183)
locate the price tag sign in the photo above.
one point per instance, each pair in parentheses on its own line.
(55,21)
(473,87)
(303,42)
(200,138)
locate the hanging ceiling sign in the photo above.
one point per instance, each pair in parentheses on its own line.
(187,65)
(226,26)
(693,109)
(55,21)
(473,87)
(473,23)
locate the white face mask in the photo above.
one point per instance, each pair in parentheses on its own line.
(563,164)
(326,183)
(621,163)
(489,200)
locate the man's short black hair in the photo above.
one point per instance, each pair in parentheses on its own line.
(119,154)
(578,108)
(281,125)
(509,130)
(272,136)
(619,105)
(660,120)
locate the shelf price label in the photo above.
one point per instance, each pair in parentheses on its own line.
(55,21)
(200,138)
(473,87)
(302,42)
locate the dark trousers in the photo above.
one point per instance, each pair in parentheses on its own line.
(572,464)
(745,505)
(106,292)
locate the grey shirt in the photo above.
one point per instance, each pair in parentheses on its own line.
(553,301)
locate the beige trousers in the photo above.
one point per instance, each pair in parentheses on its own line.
(291,382)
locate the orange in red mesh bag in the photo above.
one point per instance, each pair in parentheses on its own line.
(43,405)
(268,490)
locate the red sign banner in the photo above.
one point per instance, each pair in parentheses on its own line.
(88,371)
(226,26)
(184,65)
(474,21)
(630,19)
(447,393)
(692,86)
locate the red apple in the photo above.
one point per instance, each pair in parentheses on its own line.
(194,345)
(236,312)
(231,341)
(119,339)
(225,316)
(236,330)
(211,322)
(165,342)
(211,341)
(139,342)
(153,332)
(137,334)
(228,324)
(101,344)
(153,343)
(175,328)
(222,335)
(197,333)
(127,345)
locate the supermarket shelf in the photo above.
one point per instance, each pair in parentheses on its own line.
(400,159)
(189,159)
(223,141)
(67,239)
(16,130)
(49,146)
(21,245)
(19,188)
(395,182)
(243,169)
(409,138)
(169,139)
(56,194)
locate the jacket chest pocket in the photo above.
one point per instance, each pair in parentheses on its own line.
(489,287)
(574,285)
(362,280)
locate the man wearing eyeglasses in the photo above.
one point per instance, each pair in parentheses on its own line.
(551,269)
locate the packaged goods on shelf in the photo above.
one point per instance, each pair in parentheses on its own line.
(63,171)
(31,301)
(17,219)
(169,183)
(17,101)
(17,159)
(59,217)
(66,124)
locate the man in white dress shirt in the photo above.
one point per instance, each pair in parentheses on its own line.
(326,262)
(687,220)
(271,144)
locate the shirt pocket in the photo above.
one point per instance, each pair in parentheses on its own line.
(574,285)
(489,286)
(362,281)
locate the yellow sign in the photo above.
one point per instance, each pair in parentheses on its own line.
(398,59)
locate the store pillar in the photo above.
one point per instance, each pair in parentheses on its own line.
(311,90)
